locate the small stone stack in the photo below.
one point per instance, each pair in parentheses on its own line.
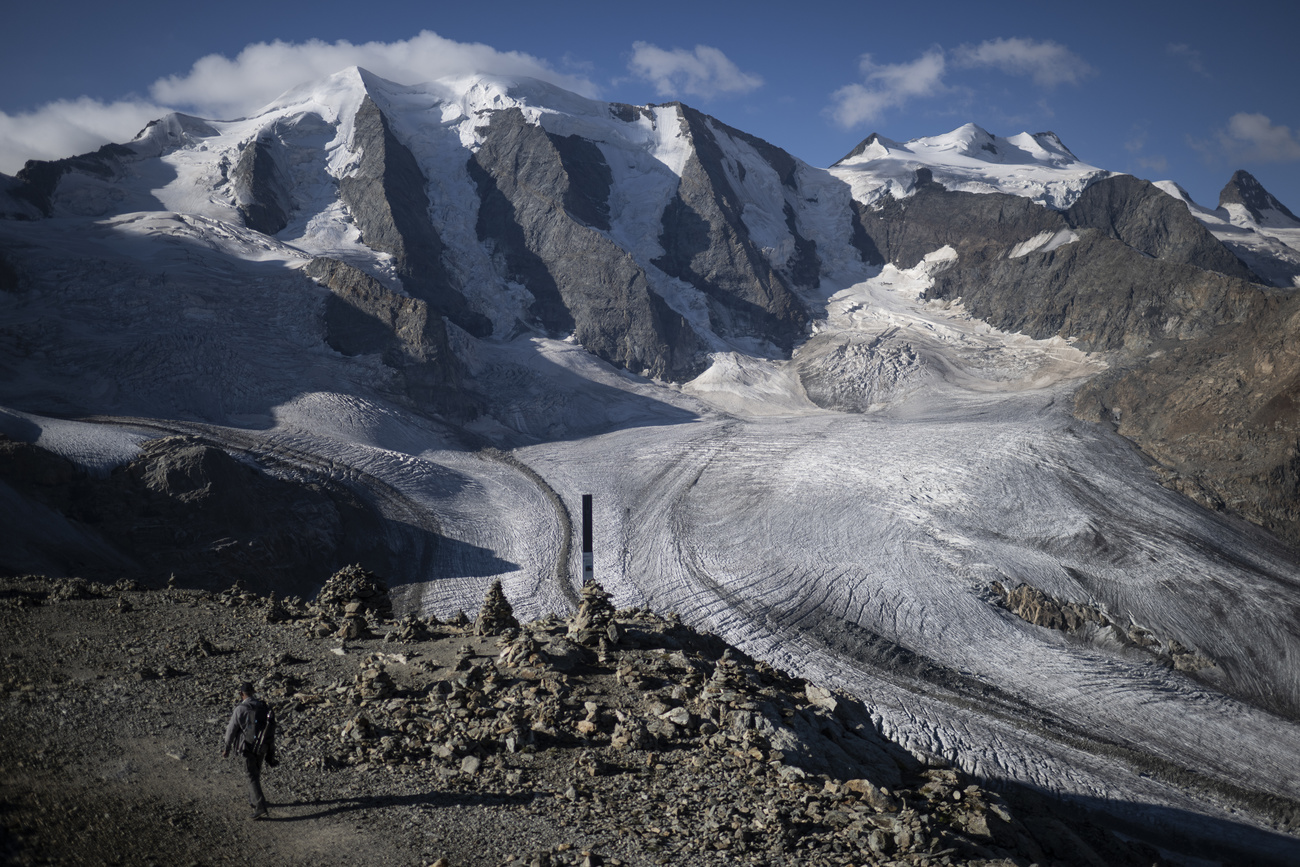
(374,682)
(410,628)
(496,617)
(353,584)
(522,651)
(594,621)
(354,625)
(274,611)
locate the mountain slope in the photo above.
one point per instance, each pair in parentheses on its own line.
(807,420)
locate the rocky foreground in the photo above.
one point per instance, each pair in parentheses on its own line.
(617,738)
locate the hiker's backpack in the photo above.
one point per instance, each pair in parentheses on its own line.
(259,733)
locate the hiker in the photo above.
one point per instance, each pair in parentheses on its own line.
(252,733)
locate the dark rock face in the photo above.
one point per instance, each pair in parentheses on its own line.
(983,224)
(706,244)
(1099,291)
(542,201)
(261,191)
(364,317)
(1221,415)
(1243,189)
(386,196)
(861,146)
(182,507)
(1140,269)
(586,194)
(1152,222)
(629,113)
(38,179)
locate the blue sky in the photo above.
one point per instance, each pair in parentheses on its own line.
(1188,91)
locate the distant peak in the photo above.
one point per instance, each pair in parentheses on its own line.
(1245,190)
(973,129)
(876,140)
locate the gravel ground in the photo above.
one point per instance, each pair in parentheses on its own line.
(619,739)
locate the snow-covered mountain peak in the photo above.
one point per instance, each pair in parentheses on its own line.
(1246,200)
(333,97)
(1259,229)
(1035,165)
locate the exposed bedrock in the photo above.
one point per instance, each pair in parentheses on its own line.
(1128,265)
(905,230)
(1153,222)
(38,180)
(543,200)
(706,243)
(184,508)
(387,198)
(261,190)
(364,317)
(1220,414)
(1098,291)
(1243,189)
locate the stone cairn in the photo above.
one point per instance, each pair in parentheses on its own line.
(595,620)
(496,617)
(410,628)
(353,593)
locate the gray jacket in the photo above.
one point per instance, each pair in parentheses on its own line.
(241,720)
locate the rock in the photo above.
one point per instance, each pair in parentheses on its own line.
(409,628)
(594,618)
(386,195)
(496,616)
(543,199)
(364,317)
(354,586)
(262,192)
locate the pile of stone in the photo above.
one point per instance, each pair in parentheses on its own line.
(357,587)
(496,617)
(595,621)
(374,682)
(411,629)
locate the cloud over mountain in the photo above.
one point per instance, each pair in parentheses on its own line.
(704,72)
(220,87)
(892,85)
(1047,63)
(69,126)
(1255,138)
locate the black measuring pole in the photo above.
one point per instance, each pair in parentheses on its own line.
(588,565)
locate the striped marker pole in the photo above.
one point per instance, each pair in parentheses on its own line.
(588,564)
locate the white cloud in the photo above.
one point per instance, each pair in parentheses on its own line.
(892,85)
(1189,55)
(704,72)
(1255,138)
(1047,63)
(888,86)
(219,87)
(1155,163)
(67,127)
